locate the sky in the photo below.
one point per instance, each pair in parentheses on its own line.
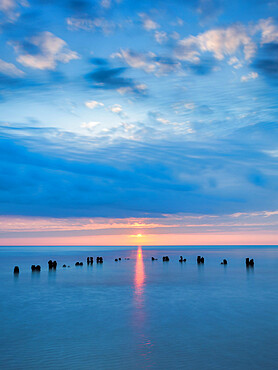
(138,122)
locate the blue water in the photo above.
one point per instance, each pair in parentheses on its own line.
(137,314)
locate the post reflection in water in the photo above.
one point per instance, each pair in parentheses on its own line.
(139,322)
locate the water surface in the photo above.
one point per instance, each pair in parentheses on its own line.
(138,313)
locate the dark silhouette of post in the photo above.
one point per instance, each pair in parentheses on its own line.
(36,268)
(52,265)
(249,262)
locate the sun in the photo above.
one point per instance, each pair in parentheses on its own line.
(139,235)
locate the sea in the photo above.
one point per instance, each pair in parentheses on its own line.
(139,313)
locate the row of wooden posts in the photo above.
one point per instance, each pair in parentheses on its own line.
(90,260)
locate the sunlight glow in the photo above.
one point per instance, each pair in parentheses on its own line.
(137,236)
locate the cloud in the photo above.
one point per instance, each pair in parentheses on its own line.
(92,104)
(44,51)
(56,225)
(148,23)
(235,62)
(105,4)
(140,89)
(250,76)
(105,77)
(136,60)
(190,106)
(89,125)
(264,214)
(163,120)
(90,24)
(221,42)
(187,49)
(149,62)
(269,30)
(33,227)
(10,9)
(116,108)
(10,69)
(47,172)
(7,5)
(161,36)
(180,159)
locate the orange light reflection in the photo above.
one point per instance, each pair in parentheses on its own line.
(145,343)
(139,277)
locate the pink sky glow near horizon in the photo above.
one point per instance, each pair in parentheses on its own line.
(149,240)
(236,229)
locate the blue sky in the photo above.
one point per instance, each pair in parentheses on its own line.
(153,110)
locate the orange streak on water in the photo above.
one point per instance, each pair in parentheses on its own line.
(145,344)
(139,279)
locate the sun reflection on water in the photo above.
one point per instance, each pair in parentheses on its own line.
(145,344)
(139,279)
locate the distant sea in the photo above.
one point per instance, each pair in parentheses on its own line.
(137,313)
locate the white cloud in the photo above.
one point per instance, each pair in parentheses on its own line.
(175,35)
(161,36)
(221,42)
(93,104)
(127,127)
(80,24)
(141,88)
(148,23)
(89,125)
(51,49)
(149,62)
(268,29)
(163,120)
(250,76)
(135,60)
(9,8)
(188,50)
(105,4)
(124,90)
(10,69)
(180,22)
(88,24)
(7,5)
(190,106)
(252,214)
(116,108)
(227,41)
(272,153)
(235,62)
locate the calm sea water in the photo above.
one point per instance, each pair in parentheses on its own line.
(136,314)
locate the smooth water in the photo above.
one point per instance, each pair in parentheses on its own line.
(138,313)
